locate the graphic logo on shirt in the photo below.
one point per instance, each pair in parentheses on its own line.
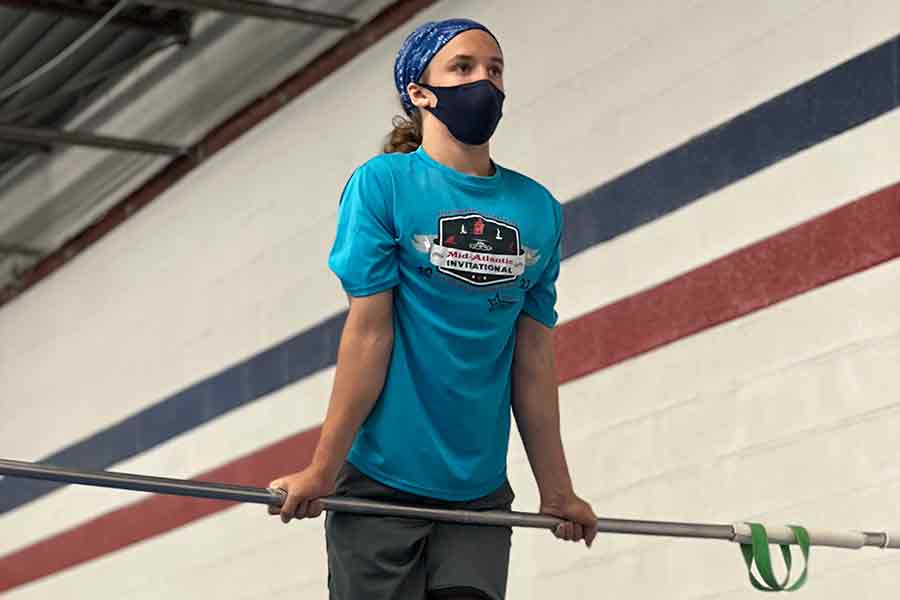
(476,249)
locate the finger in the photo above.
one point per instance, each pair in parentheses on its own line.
(289,507)
(567,531)
(274,510)
(300,513)
(577,532)
(590,532)
(315,509)
(278,485)
(558,532)
(590,528)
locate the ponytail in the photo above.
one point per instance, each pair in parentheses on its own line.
(407,134)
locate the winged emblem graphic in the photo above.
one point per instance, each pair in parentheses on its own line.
(424,242)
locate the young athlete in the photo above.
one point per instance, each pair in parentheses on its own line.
(450,262)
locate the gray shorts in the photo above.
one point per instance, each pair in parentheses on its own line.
(398,558)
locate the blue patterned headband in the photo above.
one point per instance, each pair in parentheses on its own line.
(420,47)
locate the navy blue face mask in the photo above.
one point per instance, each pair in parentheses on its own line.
(470,111)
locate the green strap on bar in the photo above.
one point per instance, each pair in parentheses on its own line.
(759,550)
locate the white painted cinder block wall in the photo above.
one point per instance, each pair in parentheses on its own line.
(720,427)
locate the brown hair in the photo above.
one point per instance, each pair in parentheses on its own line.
(407,133)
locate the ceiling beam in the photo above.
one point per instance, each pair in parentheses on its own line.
(171,24)
(38,135)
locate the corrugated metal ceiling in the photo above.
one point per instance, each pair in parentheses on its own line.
(52,100)
(31,36)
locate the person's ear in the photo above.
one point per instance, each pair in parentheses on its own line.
(420,97)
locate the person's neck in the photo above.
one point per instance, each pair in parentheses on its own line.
(447,150)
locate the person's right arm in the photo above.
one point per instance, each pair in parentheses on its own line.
(364,259)
(363,355)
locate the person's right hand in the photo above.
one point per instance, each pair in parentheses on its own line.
(303,488)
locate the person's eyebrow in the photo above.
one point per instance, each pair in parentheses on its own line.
(494,59)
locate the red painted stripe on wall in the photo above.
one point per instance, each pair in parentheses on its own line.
(844,241)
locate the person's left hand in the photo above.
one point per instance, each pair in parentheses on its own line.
(581,522)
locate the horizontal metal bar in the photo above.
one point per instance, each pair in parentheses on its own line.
(140,483)
(171,24)
(275,497)
(38,135)
(251,8)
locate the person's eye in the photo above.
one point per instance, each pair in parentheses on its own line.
(462,67)
(497,71)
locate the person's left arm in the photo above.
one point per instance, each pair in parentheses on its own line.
(535,399)
(535,405)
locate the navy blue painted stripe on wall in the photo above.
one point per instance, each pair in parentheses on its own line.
(848,95)
(274,368)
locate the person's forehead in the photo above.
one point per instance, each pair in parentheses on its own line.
(473,42)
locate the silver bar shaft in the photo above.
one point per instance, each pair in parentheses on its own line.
(140,483)
(273,497)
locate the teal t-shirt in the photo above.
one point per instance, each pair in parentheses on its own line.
(466,255)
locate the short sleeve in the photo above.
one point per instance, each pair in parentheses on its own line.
(540,299)
(364,255)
